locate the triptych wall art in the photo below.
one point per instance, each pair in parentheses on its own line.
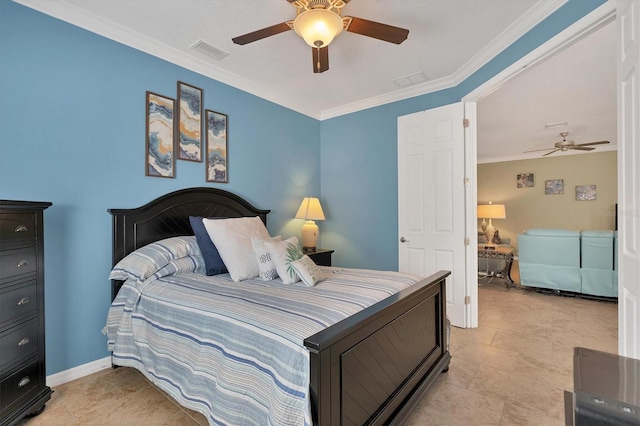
(556,187)
(174,131)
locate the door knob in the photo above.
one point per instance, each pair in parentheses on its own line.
(403,240)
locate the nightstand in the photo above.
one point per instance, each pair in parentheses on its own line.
(321,257)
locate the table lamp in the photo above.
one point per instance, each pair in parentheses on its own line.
(310,210)
(490,211)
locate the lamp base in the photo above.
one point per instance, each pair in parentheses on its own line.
(310,233)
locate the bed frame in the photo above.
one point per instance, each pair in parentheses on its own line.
(370,368)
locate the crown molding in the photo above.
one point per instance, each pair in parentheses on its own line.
(93,23)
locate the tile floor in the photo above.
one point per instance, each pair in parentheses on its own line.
(511,370)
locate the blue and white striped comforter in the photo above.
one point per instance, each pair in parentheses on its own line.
(234,350)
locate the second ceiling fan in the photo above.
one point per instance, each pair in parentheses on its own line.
(318,22)
(565,145)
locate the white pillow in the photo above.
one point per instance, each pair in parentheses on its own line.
(232,238)
(266,265)
(283,253)
(308,271)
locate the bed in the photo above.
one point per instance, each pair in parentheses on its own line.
(369,367)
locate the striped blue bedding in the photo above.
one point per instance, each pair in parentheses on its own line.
(234,350)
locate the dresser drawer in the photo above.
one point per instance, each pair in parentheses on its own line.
(18,343)
(18,302)
(21,383)
(17,262)
(16,227)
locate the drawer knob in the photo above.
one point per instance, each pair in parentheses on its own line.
(24,382)
(22,301)
(24,341)
(21,264)
(21,228)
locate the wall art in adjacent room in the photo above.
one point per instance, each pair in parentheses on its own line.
(554,186)
(524,180)
(585,192)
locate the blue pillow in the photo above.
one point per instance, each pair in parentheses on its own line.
(212,260)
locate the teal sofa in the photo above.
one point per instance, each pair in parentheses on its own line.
(570,261)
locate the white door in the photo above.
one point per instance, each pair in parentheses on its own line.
(629,178)
(431,200)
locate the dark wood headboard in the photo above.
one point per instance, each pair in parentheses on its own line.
(168,216)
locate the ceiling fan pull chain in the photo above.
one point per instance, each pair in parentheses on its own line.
(318,61)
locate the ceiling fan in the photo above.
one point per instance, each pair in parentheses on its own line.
(318,22)
(566,145)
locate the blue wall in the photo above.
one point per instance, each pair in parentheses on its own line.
(72,108)
(359,157)
(72,117)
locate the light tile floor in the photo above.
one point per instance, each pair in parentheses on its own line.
(511,370)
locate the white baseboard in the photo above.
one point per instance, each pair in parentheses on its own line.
(78,372)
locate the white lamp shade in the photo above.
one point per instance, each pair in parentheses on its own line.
(492,211)
(310,209)
(318,27)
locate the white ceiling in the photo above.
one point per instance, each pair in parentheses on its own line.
(448,41)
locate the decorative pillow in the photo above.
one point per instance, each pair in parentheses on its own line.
(213,261)
(144,262)
(283,253)
(308,271)
(232,238)
(266,265)
(496,238)
(482,238)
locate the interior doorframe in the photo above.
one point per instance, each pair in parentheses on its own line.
(603,15)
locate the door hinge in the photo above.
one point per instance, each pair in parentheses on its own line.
(467,181)
(465,123)
(466,241)
(467,300)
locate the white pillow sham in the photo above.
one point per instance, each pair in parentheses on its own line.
(266,265)
(283,253)
(308,271)
(232,238)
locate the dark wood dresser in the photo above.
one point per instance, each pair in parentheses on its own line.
(23,390)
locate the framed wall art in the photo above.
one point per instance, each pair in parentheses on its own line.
(189,121)
(554,186)
(160,153)
(585,192)
(524,180)
(217,160)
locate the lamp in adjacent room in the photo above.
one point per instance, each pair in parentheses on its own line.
(490,211)
(310,210)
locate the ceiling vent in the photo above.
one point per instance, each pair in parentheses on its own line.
(410,80)
(209,50)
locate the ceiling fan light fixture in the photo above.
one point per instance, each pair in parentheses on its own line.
(318,27)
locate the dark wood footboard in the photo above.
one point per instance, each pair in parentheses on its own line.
(372,367)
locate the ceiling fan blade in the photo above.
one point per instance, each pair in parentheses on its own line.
(544,155)
(538,150)
(592,143)
(582,148)
(260,34)
(320,59)
(377,30)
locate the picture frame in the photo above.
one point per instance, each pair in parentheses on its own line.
(189,122)
(586,192)
(524,180)
(160,147)
(554,187)
(217,158)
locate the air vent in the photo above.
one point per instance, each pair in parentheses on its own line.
(209,50)
(410,80)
